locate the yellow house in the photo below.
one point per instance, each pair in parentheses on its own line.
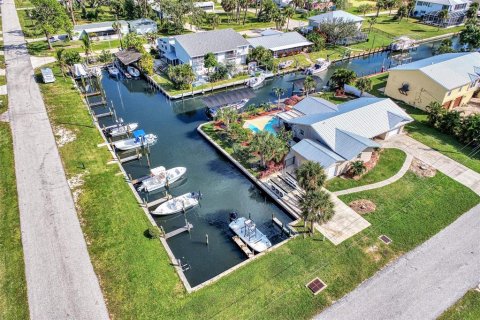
(450,79)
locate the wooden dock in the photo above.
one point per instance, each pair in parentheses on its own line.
(158,201)
(243,246)
(179,230)
(92,94)
(130,158)
(103,115)
(282,226)
(97,104)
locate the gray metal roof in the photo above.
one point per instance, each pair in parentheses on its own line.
(450,70)
(228,97)
(280,41)
(349,145)
(98,25)
(314,151)
(200,43)
(314,105)
(142,23)
(337,14)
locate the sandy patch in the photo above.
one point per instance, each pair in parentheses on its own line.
(422,169)
(363,206)
(75,183)
(63,136)
(374,252)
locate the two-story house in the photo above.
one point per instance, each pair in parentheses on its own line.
(227,45)
(429,11)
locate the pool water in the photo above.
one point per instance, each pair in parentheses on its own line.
(269,126)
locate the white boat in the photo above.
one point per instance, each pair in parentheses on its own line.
(255,82)
(136,142)
(79,70)
(160,177)
(248,232)
(319,66)
(133,72)
(212,112)
(178,204)
(121,129)
(285,64)
(97,72)
(113,71)
(402,43)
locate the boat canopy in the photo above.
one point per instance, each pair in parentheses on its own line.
(228,97)
(138,134)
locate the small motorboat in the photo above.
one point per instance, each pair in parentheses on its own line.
(255,82)
(79,71)
(121,128)
(140,139)
(160,177)
(319,66)
(178,204)
(285,64)
(133,72)
(248,232)
(402,43)
(113,71)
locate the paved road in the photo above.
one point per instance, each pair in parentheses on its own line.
(61,282)
(421,284)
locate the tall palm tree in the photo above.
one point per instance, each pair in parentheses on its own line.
(117,27)
(263,145)
(363,84)
(87,46)
(315,206)
(227,116)
(371,23)
(309,84)
(214,20)
(310,176)
(289,12)
(61,60)
(343,76)
(278,93)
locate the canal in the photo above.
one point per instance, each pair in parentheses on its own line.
(223,186)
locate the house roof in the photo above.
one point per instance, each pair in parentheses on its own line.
(280,41)
(98,25)
(309,105)
(446,2)
(348,131)
(337,14)
(314,151)
(450,70)
(201,43)
(128,56)
(141,23)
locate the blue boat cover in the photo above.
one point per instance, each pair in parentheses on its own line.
(138,134)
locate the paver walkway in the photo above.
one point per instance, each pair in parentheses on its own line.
(61,282)
(396,177)
(444,164)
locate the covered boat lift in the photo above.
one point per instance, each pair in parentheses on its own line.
(235,98)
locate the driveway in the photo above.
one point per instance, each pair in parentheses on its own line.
(61,282)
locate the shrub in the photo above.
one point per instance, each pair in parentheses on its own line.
(154,232)
(71,57)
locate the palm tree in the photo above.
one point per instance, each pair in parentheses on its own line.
(87,46)
(278,93)
(298,3)
(227,116)
(289,12)
(343,76)
(316,206)
(309,84)
(262,144)
(442,15)
(371,23)
(363,84)
(214,20)
(357,168)
(61,60)
(117,27)
(310,176)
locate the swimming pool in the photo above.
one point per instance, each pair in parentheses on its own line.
(256,124)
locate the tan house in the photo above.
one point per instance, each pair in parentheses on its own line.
(450,79)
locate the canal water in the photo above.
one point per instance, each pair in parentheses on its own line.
(223,186)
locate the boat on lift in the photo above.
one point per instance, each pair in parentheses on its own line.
(133,71)
(161,177)
(255,82)
(140,139)
(113,71)
(120,128)
(247,230)
(212,112)
(178,204)
(319,66)
(403,43)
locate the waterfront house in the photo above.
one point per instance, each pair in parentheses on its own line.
(282,44)
(428,11)
(336,135)
(207,6)
(227,45)
(99,30)
(143,26)
(308,5)
(450,79)
(337,15)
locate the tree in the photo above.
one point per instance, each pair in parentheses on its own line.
(390,4)
(435,113)
(316,206)
(214,20)
(178,11)
(210,61)
(289,12)
(342,76)
(402,12)
(262,56)
(357,168)
(243,4)
(228,6)
(105,56)
(298,4)
(445,47)
(117,27)
(181,75)
(380,4)
(318,41)
(336,29)
(363,84)
(278,93)
(309,84)
(310,176)
(70,9)
(371,23)
(220,73)
(146,63)
(268,147)
(87,46)
(279,19)
(117,8)
(470,36)
(130,9)
(61,60)
(364,8)
(472,10)
(71,57)
(134,41)
(442,15)
(50,17)
(267,11)
(227,116)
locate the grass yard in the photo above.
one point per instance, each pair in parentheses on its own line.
(423,132)
(23,4)
(251,22)
(411,27)
(467,308)
(375,40)
(40,48)
(391,160)
(13,290)
(135,272)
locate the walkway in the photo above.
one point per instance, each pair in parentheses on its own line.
(396,177)
(61,282)
(422,283)
(444,164)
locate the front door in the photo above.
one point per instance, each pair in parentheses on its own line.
(457,102)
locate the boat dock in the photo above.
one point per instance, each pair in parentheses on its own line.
(285,229)
(137,156)
(179,230)
(158,201)
(243,246)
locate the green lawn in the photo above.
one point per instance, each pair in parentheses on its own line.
(251,22)
(135,273)
(23,4)
(13,291)
(412,28)
(40,48)
(423,132)
(467,308)
(391,160)
(375,40)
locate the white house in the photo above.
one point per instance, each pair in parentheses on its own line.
(227,45)
(143,26)
(427,6)
(102,30)
(336,135)
(337,15)
(282,44)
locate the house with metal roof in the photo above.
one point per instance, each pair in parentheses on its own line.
(337,15)
(335,137)
(429,11)
(143,26)
(101,30)
(309,105)
(282,44)
(449,79)
(227,45)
